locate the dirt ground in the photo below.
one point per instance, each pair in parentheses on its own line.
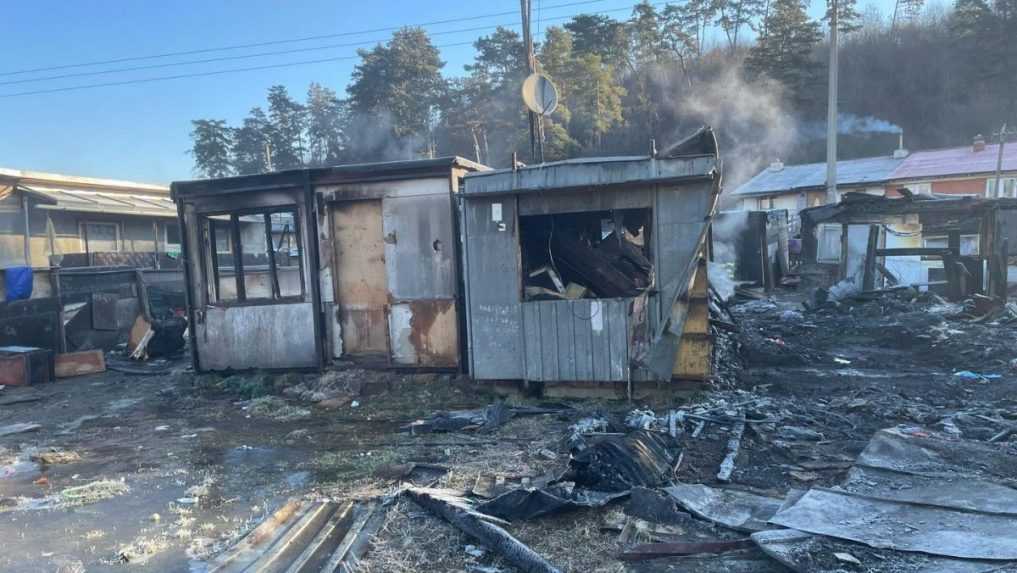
(158,472)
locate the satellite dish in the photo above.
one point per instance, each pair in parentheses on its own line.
(539,94)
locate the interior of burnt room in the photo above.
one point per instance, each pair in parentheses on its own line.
(590,254)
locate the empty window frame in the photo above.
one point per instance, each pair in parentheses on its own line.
(968,245)
(829,243)
(100,237)
(171,238)
(595,254)
(1007,184)
(250,264)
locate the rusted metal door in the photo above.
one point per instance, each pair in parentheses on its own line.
(361,286)
(420,265)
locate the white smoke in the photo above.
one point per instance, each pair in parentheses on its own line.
(850,124)
(750,118)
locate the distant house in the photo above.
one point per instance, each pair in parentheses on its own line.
(795,187)
(45,214)
(969,170)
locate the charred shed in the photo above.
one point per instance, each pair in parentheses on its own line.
(590,270)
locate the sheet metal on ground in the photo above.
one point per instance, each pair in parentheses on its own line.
(915,491)
(807,553)
(900,526)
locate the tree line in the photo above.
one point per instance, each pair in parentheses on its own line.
(754,69)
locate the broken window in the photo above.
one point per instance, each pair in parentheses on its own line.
(829,244)
(248,263)
(968,245)
(597,254)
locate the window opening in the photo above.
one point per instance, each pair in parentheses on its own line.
(597,254)
(257,256)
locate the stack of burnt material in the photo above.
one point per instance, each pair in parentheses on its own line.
(581,267)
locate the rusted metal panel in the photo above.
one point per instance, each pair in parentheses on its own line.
(257,336)
(419,252)
(359,276)
(424,333)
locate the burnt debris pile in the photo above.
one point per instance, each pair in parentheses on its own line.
(597,254)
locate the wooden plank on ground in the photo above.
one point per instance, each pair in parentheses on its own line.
(71,364)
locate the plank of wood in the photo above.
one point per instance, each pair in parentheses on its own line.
(71,364)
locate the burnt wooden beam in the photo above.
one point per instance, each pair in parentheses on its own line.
(869,270)
(915,251)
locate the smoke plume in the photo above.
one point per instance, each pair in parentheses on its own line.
(750,119)
(850,124)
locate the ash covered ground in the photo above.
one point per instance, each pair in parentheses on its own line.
(163,472)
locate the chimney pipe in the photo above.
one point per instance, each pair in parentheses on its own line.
(900,152)
(978,144)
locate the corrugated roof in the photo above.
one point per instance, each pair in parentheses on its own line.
(589,172)
(955,161)
(851,172)
(86,201)
(39,178)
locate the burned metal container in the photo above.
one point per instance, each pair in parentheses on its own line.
(589,270)
(297,268)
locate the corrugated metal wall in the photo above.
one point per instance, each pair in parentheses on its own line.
(576,339)
(551,340)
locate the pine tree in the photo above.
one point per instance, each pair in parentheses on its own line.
(785,52)
(326,140)
(210,145)
(401,79)
(600,35)
(288,121)
(596,101)
(733,15)
(250,144)
(848,18)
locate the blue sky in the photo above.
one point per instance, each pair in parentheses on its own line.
(140,131)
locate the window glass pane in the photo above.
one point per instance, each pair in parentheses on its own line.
(224,259)
(171,239)
(829,243)
(258,277)
(101,237)
(288,252)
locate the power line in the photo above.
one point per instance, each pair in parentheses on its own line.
(244,69)
(246,56)
(278,42)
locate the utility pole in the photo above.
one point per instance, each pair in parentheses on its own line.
(831,113)
(536,122)
(1003,134)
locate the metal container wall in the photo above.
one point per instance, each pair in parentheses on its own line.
(577,340)
(549,341)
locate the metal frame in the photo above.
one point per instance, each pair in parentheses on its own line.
(207,222)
